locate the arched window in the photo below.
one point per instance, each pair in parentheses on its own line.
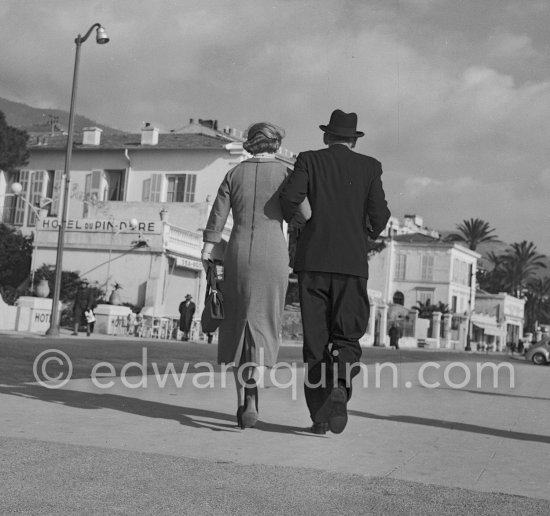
(399,298)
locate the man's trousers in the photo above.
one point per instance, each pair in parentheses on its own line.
(335,310)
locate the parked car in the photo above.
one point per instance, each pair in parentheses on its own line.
(539,352)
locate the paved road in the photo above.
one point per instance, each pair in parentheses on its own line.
(410,447)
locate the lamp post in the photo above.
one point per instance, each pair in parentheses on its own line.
(101,38)
(469,329)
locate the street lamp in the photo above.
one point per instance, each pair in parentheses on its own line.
(101,39)
(470,301)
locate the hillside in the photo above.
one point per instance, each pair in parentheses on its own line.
(33,119)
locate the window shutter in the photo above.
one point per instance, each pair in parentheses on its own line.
(190,183)
(427,262)
(36,193)
(19,215)
(156,187)
(97,186)
(56,193)
(146,192)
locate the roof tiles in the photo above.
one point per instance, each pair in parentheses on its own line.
(132,141)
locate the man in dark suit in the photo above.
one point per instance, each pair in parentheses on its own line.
(84,301)
(348,207)
(187,311)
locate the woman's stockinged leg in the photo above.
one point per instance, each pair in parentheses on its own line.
(247,396)
(250,413)
(239,384)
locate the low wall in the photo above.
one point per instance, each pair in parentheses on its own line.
(8,316)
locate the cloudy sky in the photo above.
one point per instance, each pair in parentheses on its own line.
(453,95)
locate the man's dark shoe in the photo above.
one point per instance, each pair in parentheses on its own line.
(338,418)
(319,428)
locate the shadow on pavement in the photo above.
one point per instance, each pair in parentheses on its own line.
(454,425)
(520,396)
(154,409)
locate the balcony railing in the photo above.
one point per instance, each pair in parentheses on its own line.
(182,241)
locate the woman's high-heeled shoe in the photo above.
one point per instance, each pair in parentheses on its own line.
(250,412)
(240,411)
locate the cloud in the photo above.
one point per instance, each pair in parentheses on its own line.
(448,94)
(503,45)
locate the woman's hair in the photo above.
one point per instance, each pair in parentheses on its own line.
(263,137)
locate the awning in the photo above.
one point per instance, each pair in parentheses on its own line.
(488,329)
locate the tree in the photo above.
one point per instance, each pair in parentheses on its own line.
(473,232)
(537,304)
(492,279)
(426,310)
(15,256)
(520,263)
(13,146)
(375,247)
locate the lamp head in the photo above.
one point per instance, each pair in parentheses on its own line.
(16,188)
(134,223)
(101,36)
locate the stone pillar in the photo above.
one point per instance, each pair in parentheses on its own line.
(383,325)
(413,317)
(109,318)
(33,314)
(436,328)
(372,323)
(447,318)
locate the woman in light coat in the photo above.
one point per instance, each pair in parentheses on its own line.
(255,264)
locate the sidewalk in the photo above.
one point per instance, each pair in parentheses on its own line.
(67,334)
(400,441)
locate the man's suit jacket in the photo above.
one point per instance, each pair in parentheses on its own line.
(348,206)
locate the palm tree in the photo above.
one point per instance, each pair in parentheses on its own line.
(519,264)
(473,232)
(537,305)
(490,273)
(425,310)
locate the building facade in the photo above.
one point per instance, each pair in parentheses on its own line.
(417,268)
(136,210)
(508,312)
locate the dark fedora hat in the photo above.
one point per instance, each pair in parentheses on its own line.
(342,124)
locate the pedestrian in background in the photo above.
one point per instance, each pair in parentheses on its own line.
(84,302)
(395,334)
(187,311)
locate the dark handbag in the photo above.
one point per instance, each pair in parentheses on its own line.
(213,312)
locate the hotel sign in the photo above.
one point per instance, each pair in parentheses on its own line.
(100,226)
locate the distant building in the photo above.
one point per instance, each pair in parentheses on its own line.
(411,224)
(508,312)
(417,268)
(166,181)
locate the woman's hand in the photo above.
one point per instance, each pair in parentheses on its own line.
(206,255)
